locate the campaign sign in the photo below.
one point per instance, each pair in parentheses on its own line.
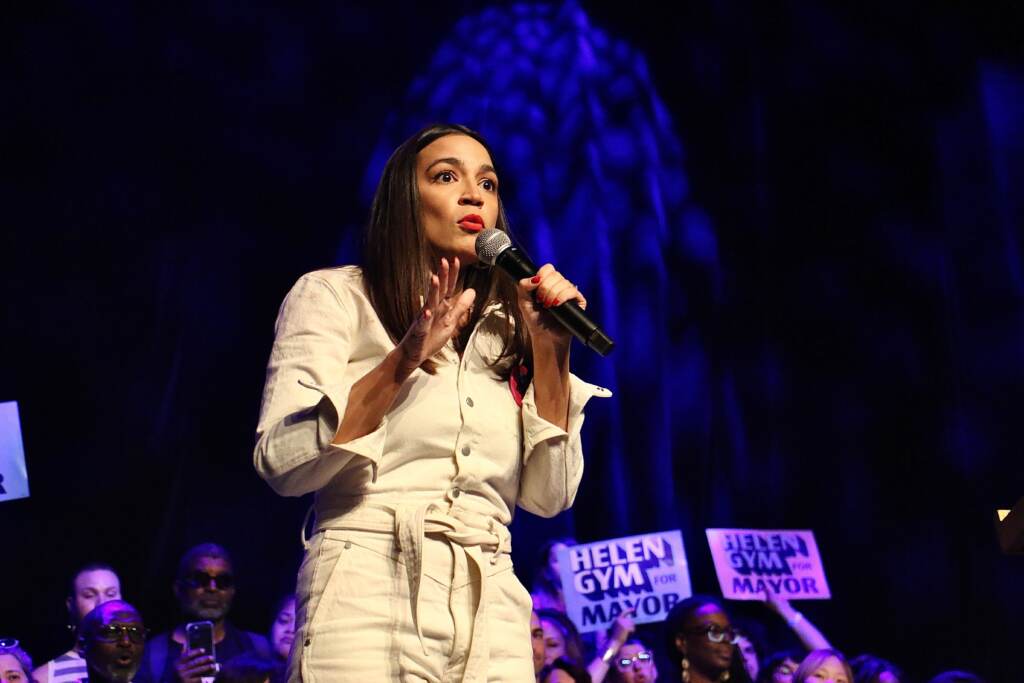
(602,580)
(751,562)
(13,475)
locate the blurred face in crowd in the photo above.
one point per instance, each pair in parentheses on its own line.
(207,589)
(829,671)
(537,639)
(11,671)
(282,633)
(784,672)
(705,641)
(554,641)
(553,560)
(749,654)
(113,644)
(640,667)
(91,589)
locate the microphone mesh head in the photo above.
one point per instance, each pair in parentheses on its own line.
(490,243)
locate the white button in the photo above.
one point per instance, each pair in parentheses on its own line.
(469,402)
(465,450)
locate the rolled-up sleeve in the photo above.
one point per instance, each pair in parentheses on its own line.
(306,393)
(553,457)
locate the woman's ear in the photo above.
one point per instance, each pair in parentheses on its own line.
(681,643)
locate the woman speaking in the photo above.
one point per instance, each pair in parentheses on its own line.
(421,397)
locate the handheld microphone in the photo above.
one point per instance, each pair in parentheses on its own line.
(495,248)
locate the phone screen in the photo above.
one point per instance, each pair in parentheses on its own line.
(199,634)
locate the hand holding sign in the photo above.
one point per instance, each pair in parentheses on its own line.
(779,605)
(808,633)
(622,628)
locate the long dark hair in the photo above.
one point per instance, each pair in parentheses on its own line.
(398,260)
(573,642)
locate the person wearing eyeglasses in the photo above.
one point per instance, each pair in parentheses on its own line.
(634,663)
(14,662)
(205,590)
(112,640)
(702,642)
(90,586)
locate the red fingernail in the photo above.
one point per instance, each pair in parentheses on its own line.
(555,302)
(535,279)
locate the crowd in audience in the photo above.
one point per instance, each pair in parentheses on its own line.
(110,643)
(703,645)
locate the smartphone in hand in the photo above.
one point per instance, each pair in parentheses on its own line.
(199,634)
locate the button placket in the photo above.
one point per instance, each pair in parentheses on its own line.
(462,446)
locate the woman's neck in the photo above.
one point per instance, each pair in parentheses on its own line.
(697,676)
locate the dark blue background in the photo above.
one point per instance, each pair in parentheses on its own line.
(802,223)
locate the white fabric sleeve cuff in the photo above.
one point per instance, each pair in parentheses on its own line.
(329,413)
(538,431)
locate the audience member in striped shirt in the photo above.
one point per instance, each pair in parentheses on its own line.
(90,587)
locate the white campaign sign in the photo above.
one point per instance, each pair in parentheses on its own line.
(13,475)
(646,573)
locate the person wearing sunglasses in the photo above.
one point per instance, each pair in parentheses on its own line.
(112,639)
(205,590)
(702,642)
(15,663)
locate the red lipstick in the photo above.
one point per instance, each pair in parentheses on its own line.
(471,222)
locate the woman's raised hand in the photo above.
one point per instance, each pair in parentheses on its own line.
(444,313)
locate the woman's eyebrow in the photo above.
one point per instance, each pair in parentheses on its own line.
(484,168)
(447,160)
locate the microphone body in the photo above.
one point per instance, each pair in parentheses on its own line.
(494,247)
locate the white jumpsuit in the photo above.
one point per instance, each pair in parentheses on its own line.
(408,576)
